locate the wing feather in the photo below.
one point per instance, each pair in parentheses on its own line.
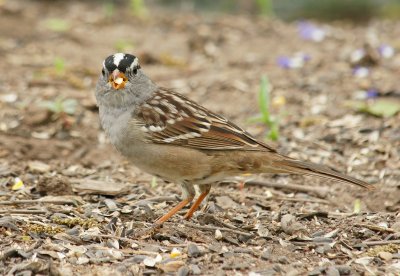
(170,118)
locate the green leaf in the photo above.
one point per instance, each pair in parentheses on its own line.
(59,65)
(57,25)
(60,105)
(357,206)
(273,133)
(109,9)
(265,7)
(264,99)
(153,183)
(69,106)
(138,8)
(380,107)
(123,45)
(384,108)
(264,102)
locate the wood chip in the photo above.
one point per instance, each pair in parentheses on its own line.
(90,186)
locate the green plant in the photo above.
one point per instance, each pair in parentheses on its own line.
(357,206)
(59,66)
(57,25)
(265,7)
(138,8)
(60,105)
(123,45)
(264,104)
(153,183)
(109,9)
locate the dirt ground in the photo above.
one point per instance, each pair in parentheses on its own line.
(85,206)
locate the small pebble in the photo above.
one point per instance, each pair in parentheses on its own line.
(396,226)
(364,260)
(343,269)
(283,260)
(396,256)
(292,272)
(228,254)
(82,260)
(242,250)
(316,271)
(73,232)
(332,271)
(215,248)
(193,250)
(24,273)
(136,259)
(366,233)
(290,225)
(218,235)
(38,166)
(111,205)
(195,269)
(387,256)
(243,238)
(183,271)
(383,225)
(266,255)
(323,249)
(231,240)
(263,231)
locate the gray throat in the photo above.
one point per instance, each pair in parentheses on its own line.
(117,107)
(136,92)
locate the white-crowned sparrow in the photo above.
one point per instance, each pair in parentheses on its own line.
(167,135)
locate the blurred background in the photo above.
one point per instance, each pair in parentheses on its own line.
(317,79)
(326,10)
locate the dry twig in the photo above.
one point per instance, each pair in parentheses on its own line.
(213,228)
(22,211)
(154,199)
(375,227)
(29,201)
(373,243)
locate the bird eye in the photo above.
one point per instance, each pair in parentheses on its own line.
(103,72)
(135,71)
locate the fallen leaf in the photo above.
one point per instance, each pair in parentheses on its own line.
(380,107)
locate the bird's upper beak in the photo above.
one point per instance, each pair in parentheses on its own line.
(117,79)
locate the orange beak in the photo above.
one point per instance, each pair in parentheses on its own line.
(117,80)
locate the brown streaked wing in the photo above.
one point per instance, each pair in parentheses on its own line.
(170,118)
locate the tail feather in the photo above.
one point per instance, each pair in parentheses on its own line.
(308,168)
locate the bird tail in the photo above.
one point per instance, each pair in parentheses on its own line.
(308,168)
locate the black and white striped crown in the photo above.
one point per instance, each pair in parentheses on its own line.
(121,61)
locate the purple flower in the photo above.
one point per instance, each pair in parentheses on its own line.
(296,61)
(386,51)
(371,93)
(284,62)
(361,72)
(309,31)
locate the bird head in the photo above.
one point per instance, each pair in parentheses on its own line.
(119,69)
(122,81)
